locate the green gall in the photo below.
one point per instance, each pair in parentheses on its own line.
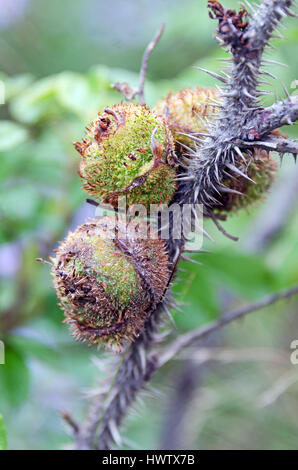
(187,111)
(108,284)
(126,152)
(261,169)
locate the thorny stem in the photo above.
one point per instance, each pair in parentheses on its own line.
(275,116)
(241,118)
(240,123)
(133,372)
(279,145)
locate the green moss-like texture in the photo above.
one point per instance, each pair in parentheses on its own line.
(107,286)
(262,170)
(187,110)
(125,153)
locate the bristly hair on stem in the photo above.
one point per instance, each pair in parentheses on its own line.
(241,125)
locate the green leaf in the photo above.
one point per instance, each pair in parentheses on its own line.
(16,85)
(11,135)
(37,102)
(14,377)
(245,274)
(8,293)
(34,347)
(20,201)
(72,91)
(3,442)
(199,297)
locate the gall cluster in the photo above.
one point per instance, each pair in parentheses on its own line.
(108,285)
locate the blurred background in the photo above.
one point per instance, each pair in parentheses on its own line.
(239,389)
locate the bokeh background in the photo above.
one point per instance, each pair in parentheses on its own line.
(239,389)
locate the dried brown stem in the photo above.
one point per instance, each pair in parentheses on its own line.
(129,92)
(69,420)
(144,65)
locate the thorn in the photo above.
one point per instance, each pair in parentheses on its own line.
(270,47)
(193,137)
(239,172)
(286,120)
(153,141)
(142,356)
(278,22)
(237,149)
(246,93)
(274,62)
(227,75)
(278,35)
(195,251)
(154,392)
(229,175)
(263,92)
(208,121)
(183,165)
(186,161)
(221,42)
(217,174)
(182,271)
(290,12)
(264,82)
(219,89)
(264,72)
(280,12)
(177,308)
(213,74)
(224,189)
(190,260)
(214,187)
(230,94)
(218,154)
(200,134)
(211,198)
(200,118)
(249,6)
(252,67)
(167,311)
(196,193)
(214,103)
(201,228)
(225,59)
(186,178)
(286,90)
(114,431)
(187,148)
(41,260)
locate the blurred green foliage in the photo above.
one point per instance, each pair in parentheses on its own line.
(2,434)
(46,109)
